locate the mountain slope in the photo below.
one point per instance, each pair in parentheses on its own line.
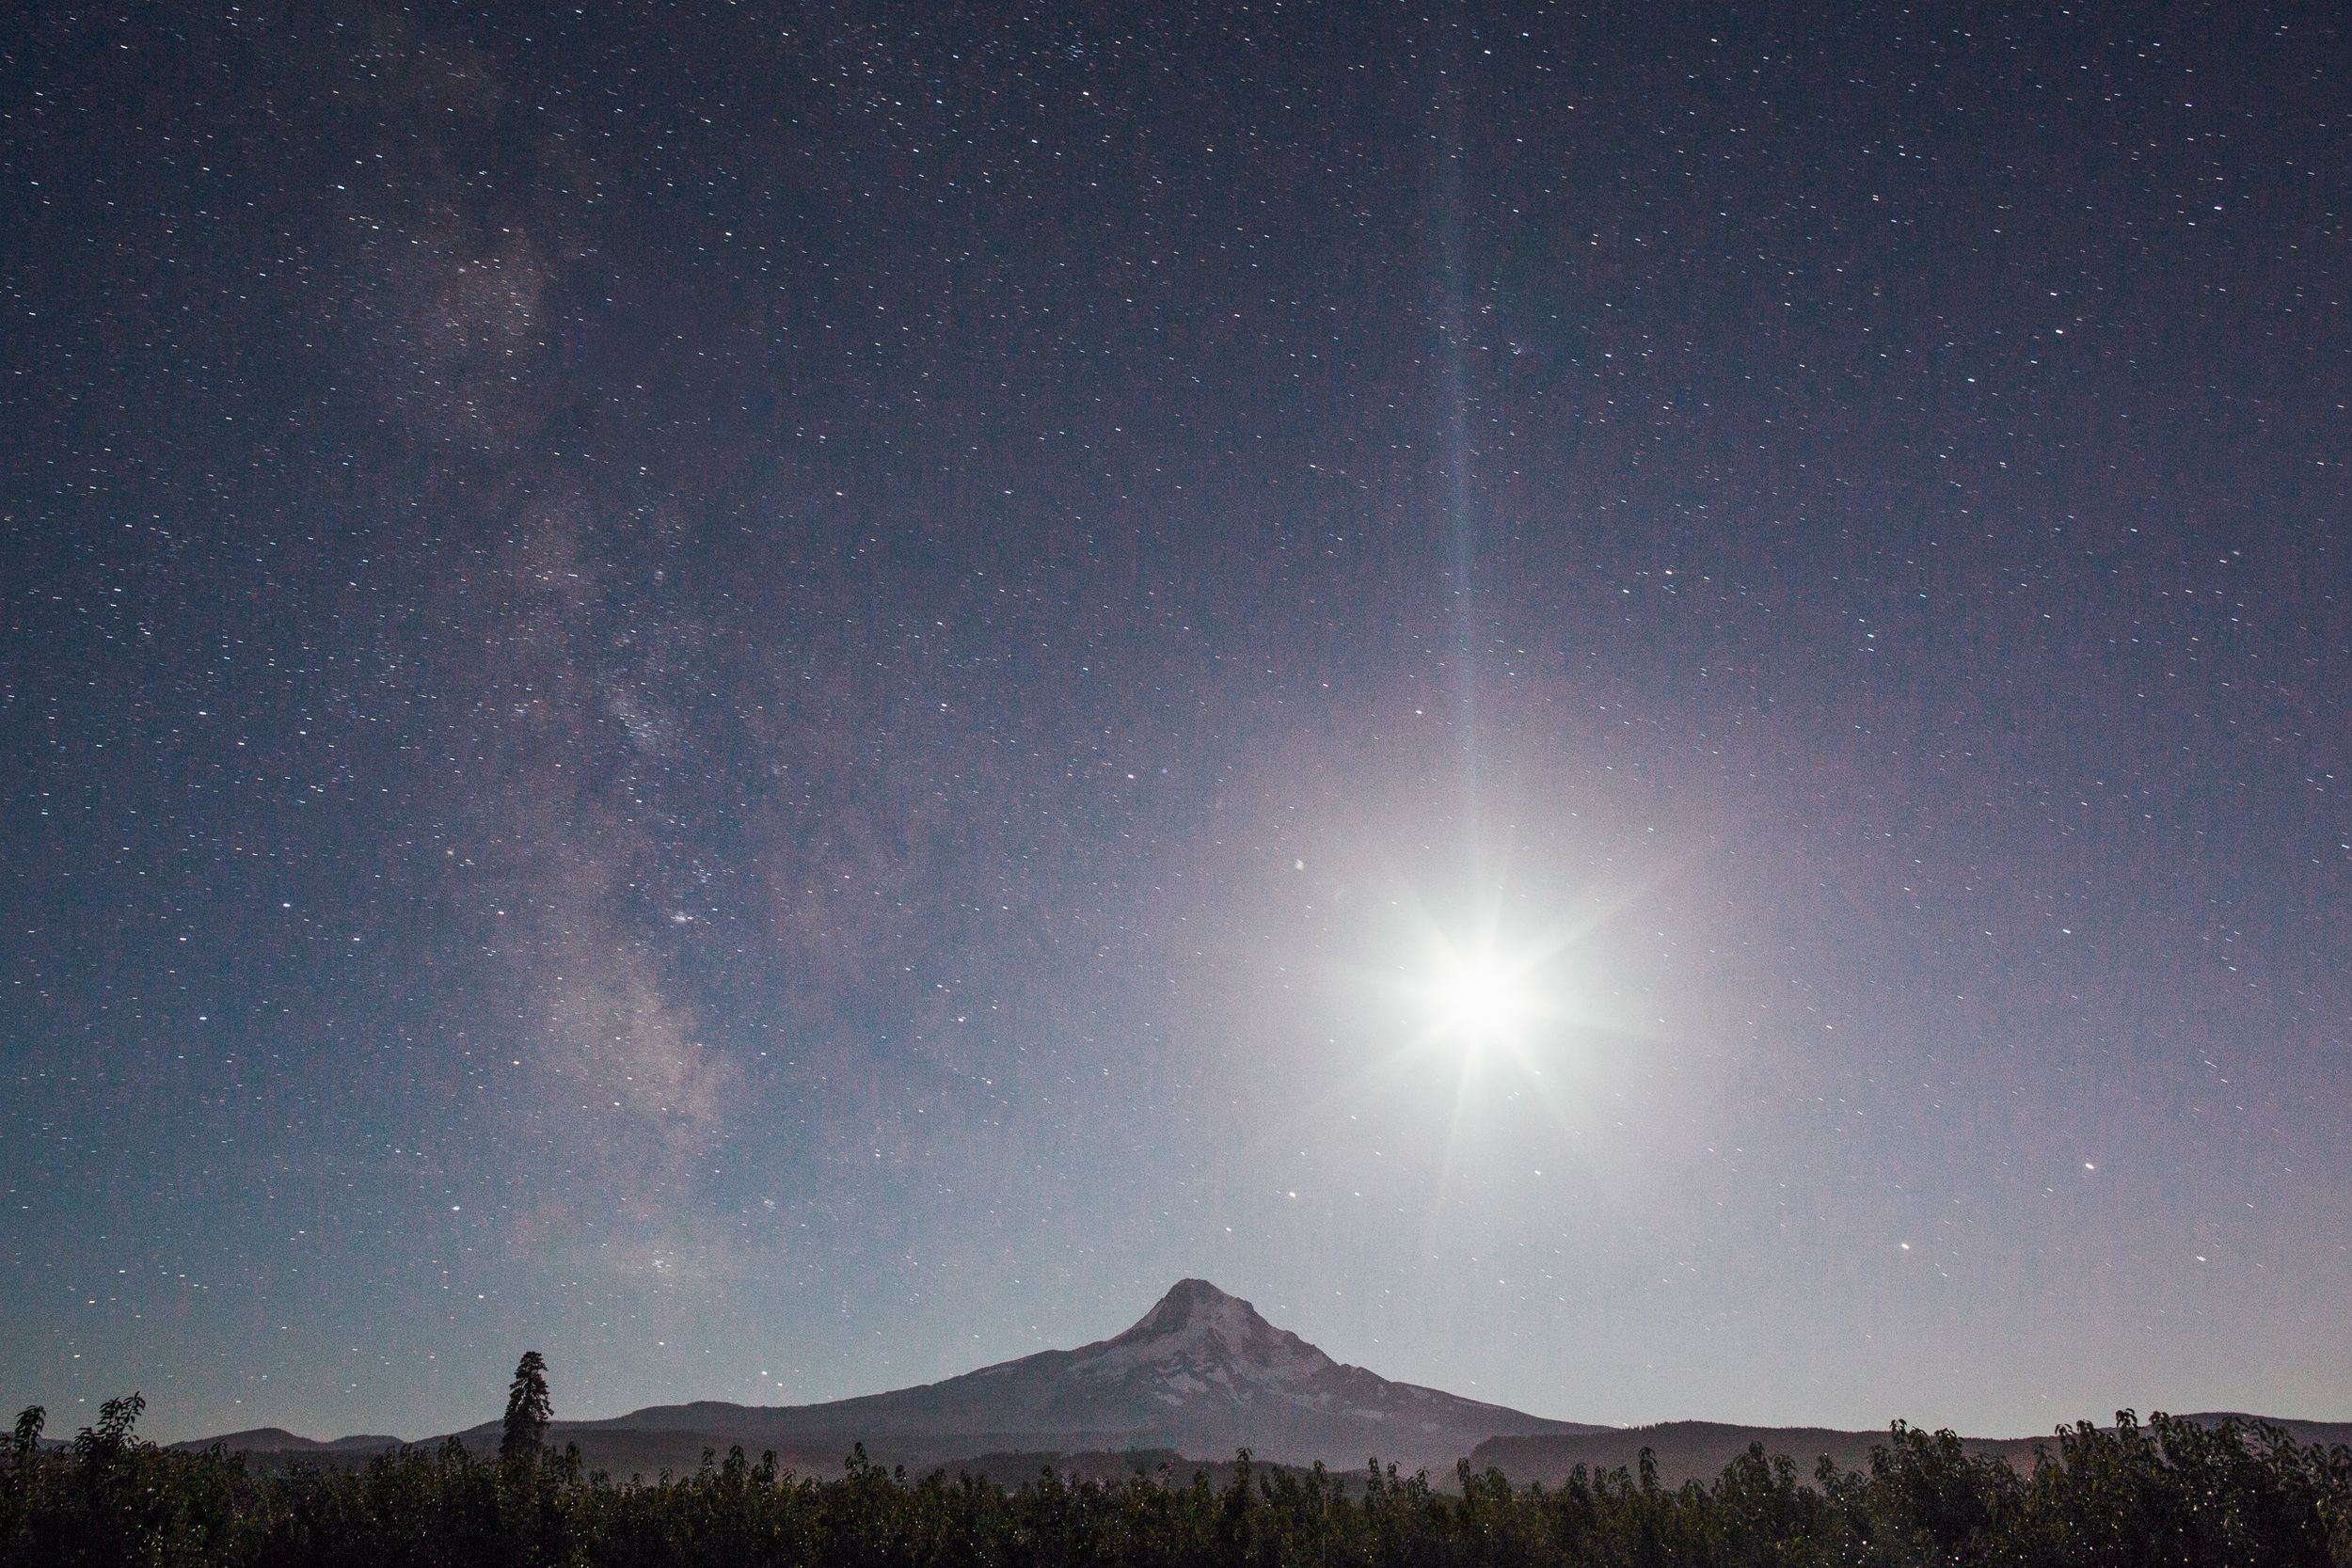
(1202,1372)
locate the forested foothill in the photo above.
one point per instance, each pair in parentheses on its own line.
(2133,1496)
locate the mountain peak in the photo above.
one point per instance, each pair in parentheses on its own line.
(1197,1339)
(1191,1303)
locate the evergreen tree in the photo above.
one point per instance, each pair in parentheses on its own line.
(25,1446)
(527,1409)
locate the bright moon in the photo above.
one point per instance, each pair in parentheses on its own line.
(1478,1001)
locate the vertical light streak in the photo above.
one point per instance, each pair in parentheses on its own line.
(1461,522)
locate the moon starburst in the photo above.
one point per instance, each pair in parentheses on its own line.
(1478,998)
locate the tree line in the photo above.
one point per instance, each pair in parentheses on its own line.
(2132,1496)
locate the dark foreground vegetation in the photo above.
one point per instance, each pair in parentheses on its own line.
(2167,1493)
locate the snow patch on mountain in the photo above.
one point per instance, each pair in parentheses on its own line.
(1197,1340)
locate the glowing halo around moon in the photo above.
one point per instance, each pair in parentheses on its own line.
(1491,979)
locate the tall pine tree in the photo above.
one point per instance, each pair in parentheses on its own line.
(527,1409)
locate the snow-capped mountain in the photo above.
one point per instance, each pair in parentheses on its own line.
(1202,1372)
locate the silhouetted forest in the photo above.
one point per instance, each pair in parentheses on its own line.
(2135,1496)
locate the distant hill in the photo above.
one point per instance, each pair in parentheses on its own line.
(1693,1451)
(1698,1450)
(273,1448)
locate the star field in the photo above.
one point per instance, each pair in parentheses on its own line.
(773,697)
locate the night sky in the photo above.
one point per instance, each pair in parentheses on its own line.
(785,700)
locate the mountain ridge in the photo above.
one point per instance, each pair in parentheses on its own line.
(1202,1372)
(1698,1450)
